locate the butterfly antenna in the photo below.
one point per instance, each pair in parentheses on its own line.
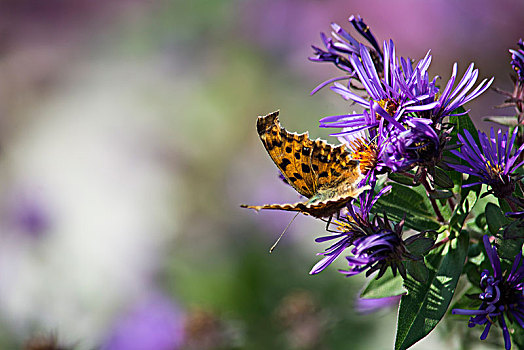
(282,234)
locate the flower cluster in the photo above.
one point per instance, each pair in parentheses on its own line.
(414,136)
(405,127)
(401,103)
(492,162)
(502,296)
(375,243)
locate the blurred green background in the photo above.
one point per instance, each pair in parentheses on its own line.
(128,141)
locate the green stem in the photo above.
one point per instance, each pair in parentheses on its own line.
(425,183)
(438,244)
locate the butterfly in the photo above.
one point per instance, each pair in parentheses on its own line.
(324,174)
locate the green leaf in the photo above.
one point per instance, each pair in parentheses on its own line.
(417,270)
(481,222)
(439,194)
(411,203)
(426,303)
(463,122)
(475,249)
(512,243)
(472,272)
(442,178)
(402,179)
(387,286)
(468,199)
(495,218)
(420,245)
(504,206)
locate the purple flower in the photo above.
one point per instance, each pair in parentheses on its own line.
(376,252)
(399,91)
(417,145)
(342,45)
(517,61)
(402,91)
(351,228)
(367,150)
(375,244)
(384,248)
(453,98)
(502,296)
(492,162)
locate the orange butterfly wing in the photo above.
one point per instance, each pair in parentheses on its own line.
(323,173)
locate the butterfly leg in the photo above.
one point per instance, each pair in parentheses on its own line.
(328,222)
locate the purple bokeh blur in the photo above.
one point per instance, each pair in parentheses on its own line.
(153,323)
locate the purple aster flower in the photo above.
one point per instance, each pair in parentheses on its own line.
(453,98)
(351,228)
(366,147)
(492,162)
(502,296)
(385,248)
(517,61)
(378,251)
(351,123)
(342,45)
(402,91)
(337,48)
(417,145)
(376,244)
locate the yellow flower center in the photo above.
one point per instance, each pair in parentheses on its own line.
(366,152)
(494,170)
(389,105)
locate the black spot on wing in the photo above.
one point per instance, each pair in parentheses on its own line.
(305,151)
(298,176)
(322,158)
(285,162)
(323,174)
(305,168)
(288,149)
(297,155)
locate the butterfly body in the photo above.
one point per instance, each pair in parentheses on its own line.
(323,173)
